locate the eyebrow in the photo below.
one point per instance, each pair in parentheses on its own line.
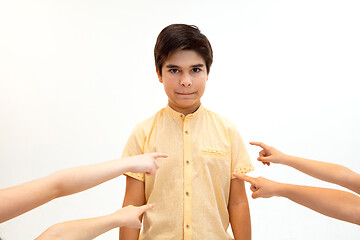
(197,65)
(192,66)
(172,66)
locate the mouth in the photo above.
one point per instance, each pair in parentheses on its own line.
(185,94)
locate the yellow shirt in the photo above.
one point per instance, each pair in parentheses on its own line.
(191,188)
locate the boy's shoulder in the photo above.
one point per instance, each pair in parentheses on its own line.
(148,123)
(221,120)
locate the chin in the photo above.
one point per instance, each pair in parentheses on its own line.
(186,102)
(186,105)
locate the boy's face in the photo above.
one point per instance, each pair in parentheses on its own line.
(184,76)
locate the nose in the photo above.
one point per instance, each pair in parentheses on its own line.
(186,81)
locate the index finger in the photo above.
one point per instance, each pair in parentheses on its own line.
(147,207)
(159,155)
(260,144)
(244,178)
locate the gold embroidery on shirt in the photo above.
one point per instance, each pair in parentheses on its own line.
(213,152)
(244,169)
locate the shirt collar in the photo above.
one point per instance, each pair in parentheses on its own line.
(178,115)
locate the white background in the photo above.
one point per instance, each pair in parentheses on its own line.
(76,76)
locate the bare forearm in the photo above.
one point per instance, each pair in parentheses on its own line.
(20,199)
(328,172)
(240,221)
(239,210)
(134,195)
(80,229)
(130,233)
(330,202)
(77,179)
(85,177)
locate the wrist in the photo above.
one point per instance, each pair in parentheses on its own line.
(286,159)
(127,164)
(116,221)
(282,189)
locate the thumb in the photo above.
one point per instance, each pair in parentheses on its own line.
(156,164)
(264,159)
(255,194)
(138,225)
(145,208)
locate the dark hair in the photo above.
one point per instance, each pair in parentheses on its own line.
(181,37)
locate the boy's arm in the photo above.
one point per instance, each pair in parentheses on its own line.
(134,195)
(86,229)
(328,172)
(239,210)
(330,202)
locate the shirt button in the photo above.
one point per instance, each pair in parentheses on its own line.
(187,226)
(187,194)
(187,162)
(181,115)
(186,132)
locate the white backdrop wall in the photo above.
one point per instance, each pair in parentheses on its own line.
(76,76)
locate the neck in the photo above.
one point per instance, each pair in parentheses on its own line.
(185,111)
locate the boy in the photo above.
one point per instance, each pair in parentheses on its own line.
(194,190)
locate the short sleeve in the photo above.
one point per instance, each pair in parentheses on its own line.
(135,146)
(240,160)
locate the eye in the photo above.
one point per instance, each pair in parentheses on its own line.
(174,70)
(196,70)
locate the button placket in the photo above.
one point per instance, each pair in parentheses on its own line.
(187,178)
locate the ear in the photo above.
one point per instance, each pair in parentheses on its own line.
(158,74)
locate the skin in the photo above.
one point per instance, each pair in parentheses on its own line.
(239,212)
(323,200)
(134,195)
(328,172)
(19,199)
(184,76)
(87,229)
